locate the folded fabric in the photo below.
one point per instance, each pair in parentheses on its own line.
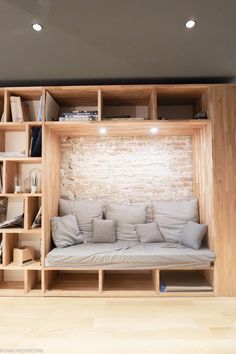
(65,231)
(104,231)
(193,234)
(149,232)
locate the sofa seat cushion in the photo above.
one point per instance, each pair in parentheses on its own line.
(127,255)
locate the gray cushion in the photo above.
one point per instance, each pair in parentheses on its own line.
(193,234)
(129,214)
(127,232)
(85,211)
(149,232)
(104,230)
(172,217)
(65,231)
(126,216)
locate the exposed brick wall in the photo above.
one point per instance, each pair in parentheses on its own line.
(133,169)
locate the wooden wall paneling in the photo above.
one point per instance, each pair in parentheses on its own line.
(2,141)
(30,279)
(100,280)
(222,108)
(51,183)
(100,105)
(153,105)
(156,280)
(10,241)
(11,170)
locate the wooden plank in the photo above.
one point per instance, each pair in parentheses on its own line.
(222,107)
(100,280)
(10,241)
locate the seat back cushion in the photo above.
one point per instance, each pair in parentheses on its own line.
(172,217)
(126,217)
(65,231)
(85,211)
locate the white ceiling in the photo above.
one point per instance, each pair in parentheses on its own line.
(102,41)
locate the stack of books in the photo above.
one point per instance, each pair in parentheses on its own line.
(79,116)
(183,281)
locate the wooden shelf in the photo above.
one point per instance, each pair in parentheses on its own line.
(80,282)
(33,160)
(21,231)
(21,195)
(31,266)
(126,128)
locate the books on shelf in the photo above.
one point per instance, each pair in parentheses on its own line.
(35,148)
(183,281)
(52,108)
(79,116)
(19,110)
(40,112)
(17,222)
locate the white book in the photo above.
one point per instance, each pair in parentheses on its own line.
(16,109)
(52,108)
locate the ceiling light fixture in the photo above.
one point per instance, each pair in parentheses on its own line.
(154,130)
(103,131)
(37,27)
(190,24)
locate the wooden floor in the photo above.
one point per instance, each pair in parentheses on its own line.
(118,326)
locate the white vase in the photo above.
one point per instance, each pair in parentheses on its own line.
(33,189)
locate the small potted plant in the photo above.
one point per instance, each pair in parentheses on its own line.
(35,180)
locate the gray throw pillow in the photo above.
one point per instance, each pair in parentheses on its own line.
(65,231)
(126,217)
(172,217)
(127,232)
(149,232)
(85,211)
(104,231)
(193,234)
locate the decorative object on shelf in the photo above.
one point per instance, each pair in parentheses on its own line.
(35,180)
(17,184)
(200,115)
(3,209)
(37,220)
(17,222)
(23,255)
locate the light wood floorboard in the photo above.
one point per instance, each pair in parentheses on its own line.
(118,326)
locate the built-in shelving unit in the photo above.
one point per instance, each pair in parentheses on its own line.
(127,110)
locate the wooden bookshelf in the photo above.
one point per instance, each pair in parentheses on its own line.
(214,167)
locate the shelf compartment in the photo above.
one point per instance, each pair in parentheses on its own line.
(31,96)
(130,102)
(70,281)
(11,283)
(61,100)
(129,282)
(186,281)
(32,282)
(16,240)
(21,169)
(180,102)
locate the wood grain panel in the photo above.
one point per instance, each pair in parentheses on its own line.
(222,108)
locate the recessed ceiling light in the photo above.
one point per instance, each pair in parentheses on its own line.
(103,131)
(153,130)
(190,24)
(37,27)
